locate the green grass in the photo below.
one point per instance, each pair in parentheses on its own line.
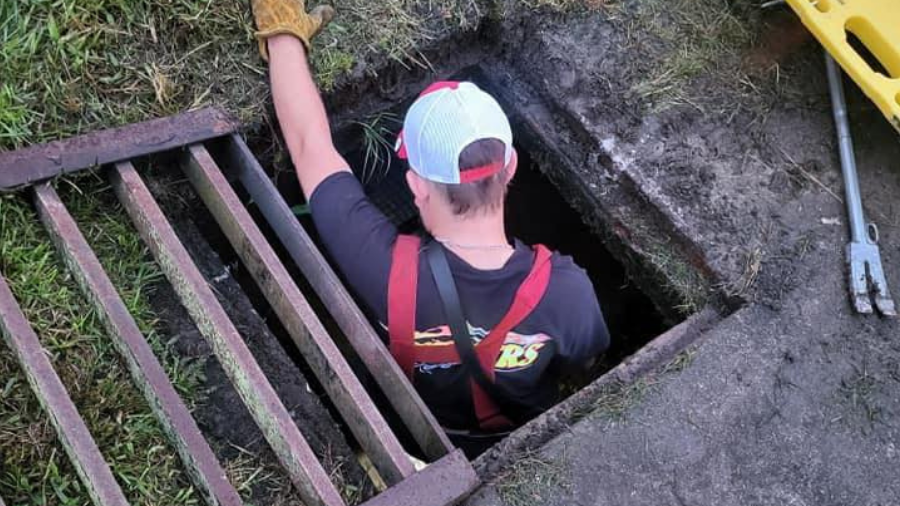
(34,468)
(679,278)
(75,65)
(69,66)
(700,37)
(616,399)
(377,132)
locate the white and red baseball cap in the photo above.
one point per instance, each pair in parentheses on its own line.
(446,118)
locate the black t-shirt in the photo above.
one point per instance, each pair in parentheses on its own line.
(564,331)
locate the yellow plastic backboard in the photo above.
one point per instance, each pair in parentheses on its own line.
(876,23)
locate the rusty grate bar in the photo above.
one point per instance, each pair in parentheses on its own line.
(70,428)
(304,327)
(374,354)
(205,471)
(271,416)
(444,482)
(37,163)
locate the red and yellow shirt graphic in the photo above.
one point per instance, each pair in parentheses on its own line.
(518,352)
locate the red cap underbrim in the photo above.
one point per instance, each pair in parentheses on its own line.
(479,173)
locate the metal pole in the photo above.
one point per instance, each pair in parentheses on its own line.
(845,146)
(866,274)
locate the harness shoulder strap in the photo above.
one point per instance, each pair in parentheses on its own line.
(456,319)
(402,287)
(528,296)
(401,307)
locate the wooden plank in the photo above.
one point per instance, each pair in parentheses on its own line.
(368,345)
(147,372)
(70,428)
(43,161)
(443,483)
(257,393)
(302,324)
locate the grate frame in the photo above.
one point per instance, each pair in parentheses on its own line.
(31,169)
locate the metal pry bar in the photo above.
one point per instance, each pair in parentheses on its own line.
(867,281)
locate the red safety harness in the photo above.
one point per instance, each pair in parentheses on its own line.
(402,323)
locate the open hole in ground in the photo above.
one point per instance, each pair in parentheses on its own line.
(537,212)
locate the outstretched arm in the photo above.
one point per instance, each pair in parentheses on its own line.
(301,113)
(347,222)
(284,33)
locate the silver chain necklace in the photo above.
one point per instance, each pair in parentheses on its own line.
(483,247)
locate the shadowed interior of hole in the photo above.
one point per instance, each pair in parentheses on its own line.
(538,213)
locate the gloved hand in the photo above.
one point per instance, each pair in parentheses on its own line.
(274,17)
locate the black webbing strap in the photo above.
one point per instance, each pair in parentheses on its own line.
(443,279)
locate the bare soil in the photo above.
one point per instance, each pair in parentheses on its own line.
(790,400)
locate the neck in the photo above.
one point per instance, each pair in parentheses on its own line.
(475,239)
(481,230)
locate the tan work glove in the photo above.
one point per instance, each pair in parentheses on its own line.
(275,17)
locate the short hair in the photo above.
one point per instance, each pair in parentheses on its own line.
(484,195)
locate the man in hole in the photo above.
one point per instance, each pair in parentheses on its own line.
(523,316)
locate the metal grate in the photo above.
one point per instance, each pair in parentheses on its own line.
(448,478)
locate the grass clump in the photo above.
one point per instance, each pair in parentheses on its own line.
(377,132)
(616,399)
(531,480)
(700,36)
(33,467)
(681,361)
(860,399)
(70,66)
(680,279)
